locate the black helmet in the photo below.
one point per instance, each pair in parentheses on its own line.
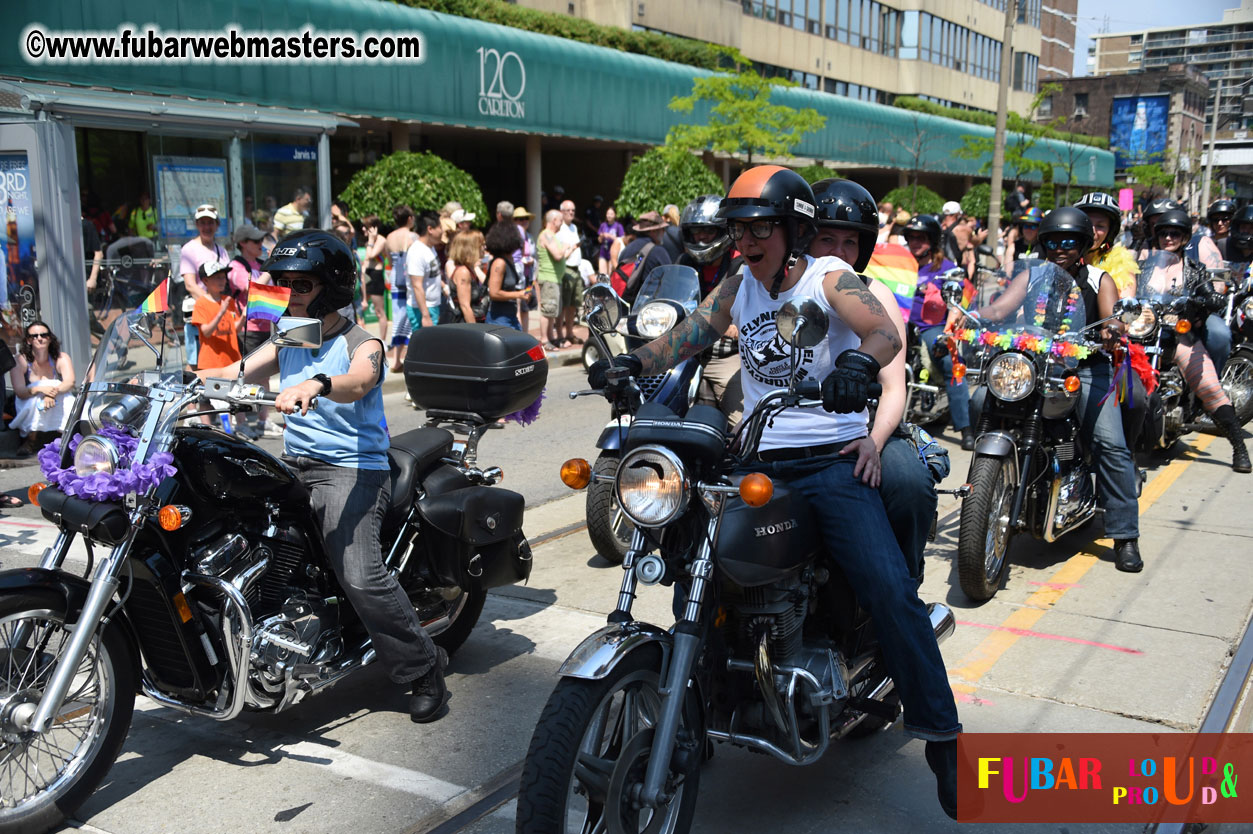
(1175,219)
(1221,206)
(843,204)
(1104,203)
(1245,241)
(1070,221)
(1031,217)
(772,191)
(322,254)
(926,224)
(1159,206)
(703,212)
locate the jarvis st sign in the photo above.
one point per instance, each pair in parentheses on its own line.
(502,81)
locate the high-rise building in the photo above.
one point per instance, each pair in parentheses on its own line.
(1057,38)
(874,50)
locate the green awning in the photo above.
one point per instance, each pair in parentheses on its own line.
(473,74)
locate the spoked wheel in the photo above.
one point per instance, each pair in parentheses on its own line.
(586,763)
(44,777)
(1238,383)
(984,537)
(607,526)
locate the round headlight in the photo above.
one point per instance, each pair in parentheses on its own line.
(1144,324)
(95,454)
(1011,377)
(655,319)
(652,489)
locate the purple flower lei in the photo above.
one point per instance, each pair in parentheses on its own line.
(102,486)
(530,414)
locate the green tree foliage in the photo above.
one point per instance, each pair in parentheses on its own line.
(664,47)
(423,181)
(979,117)
(1022,133)
(975,202)
(1045,197)
(816,172)
(915,199)
(741,118)
(1150,177)
(661,176)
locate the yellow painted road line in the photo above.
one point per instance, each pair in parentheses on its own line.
(982,658)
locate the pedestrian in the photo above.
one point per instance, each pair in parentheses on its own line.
(339,216)
(505,286)
(504,211)
(197,252)
(550,255)
(672,240)
(609,232)
(42,381)
(373,284)
(93,248)
(262,219)
(218,318)
(143,220)
(572,278)
(291,217)
(245,271)
(399,240)
(647,251)
(468,291)
(426,285)
(524,262)
(463,220)
(885,221)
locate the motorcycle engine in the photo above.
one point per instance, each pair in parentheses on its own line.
(779,608)
(304,631)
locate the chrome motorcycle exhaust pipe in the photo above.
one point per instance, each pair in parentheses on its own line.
(943,623)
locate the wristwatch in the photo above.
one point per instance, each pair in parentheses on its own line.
(326,384)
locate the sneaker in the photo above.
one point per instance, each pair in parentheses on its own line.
(428,695)
(248,431)
(271,429)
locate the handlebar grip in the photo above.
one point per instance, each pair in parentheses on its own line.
(874,391)
(810,389)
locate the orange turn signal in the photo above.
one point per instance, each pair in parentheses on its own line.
(171,517)
(181,606)
(32,494)
(959,371)
(756,489)
(1072,384)
(576,473)
(1183,326)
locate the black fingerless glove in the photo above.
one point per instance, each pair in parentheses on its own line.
(598,375)
(846,389)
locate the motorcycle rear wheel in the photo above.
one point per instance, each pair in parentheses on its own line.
(983,542)
(574,766)
(607,526)
(1238,383)
(467,609)
(49,775)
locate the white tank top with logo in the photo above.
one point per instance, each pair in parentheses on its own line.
(765,359)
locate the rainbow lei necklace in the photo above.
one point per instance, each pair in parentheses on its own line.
(1072,301)
(1011,339)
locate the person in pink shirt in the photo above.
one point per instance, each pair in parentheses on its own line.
(194,254)
(246,268)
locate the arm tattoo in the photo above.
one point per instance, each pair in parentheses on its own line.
(374,361)
(890,334)
(851,284)
(694,333)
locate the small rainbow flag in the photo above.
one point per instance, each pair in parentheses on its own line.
(892,264)
(266,301)
(158,301)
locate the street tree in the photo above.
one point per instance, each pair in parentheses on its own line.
(1022,134)
(916,144)
(423,181)
(665,175)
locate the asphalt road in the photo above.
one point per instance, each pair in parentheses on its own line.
(1069,644)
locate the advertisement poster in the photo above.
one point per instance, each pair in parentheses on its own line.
(1137,129)
(19,288)
(182,184)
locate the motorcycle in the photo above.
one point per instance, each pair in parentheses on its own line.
(770,650)
(1029,470)
(214,594)
(1237,376)
(667,296)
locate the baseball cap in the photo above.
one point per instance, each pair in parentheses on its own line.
(213,268)
(206,210)
(247,231)
(462,216)
(951,207)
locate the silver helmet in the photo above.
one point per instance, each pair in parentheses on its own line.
(703,211)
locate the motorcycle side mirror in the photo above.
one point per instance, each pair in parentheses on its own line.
(601,307)
(298,332)
(985,250)
(802,322)
(952,291)
(1128,310)
(602,278)
(141,323)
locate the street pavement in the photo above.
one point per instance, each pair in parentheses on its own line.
(1069,644)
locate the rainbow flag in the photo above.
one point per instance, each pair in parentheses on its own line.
(158,301)
(892,264)
(266,301)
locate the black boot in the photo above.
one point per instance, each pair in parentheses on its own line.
(1225,420)
(429,694)
(968,439)
(942,759)
(1127,555)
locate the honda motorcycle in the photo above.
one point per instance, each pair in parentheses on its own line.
(770,650)
(1030,470)
(214,593)
(668,295)
(1238,372)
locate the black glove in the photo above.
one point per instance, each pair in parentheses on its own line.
(846,389)
(598,374)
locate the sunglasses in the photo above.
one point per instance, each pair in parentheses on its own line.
(760,229)
(1053,244)
(1171,231)
(299,286)
(34,336)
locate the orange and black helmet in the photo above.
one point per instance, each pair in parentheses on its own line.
(769,191)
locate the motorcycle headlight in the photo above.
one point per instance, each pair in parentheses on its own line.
(1011,377)
(1247,308)
(651,486)
(1143,325)
(95,454)
(1170,320)
(655,319)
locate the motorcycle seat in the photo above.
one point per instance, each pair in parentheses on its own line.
(411,454)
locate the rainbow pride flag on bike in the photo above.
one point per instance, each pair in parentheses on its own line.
(266,301)
(158,301)
(893,264)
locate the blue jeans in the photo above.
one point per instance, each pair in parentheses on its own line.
(1217,339)
(191,343)
(958,396)
(856,534)
(909,499)
(509,318)
(1115,467)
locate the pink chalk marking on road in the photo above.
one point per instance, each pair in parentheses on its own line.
(1026,632)
(966,698)
(1057,586)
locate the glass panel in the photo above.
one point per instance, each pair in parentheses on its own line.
(828,13)
(909,36)
(854,22)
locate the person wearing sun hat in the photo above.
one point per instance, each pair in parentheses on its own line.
(524,263)
(194,254)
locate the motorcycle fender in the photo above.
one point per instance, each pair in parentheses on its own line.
(601,651)
(614,434)
(996,444)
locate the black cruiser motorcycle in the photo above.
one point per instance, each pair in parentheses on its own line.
(770,650)
(212,593)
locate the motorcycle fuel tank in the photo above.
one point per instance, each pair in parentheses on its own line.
(218,465)
(760,545)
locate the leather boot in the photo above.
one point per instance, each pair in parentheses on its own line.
(1225,420)
(429,694)
(968,439)
(942,759)
(1127,555)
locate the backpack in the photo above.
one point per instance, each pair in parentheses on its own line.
(621,279)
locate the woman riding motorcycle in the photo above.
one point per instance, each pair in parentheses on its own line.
(847,228)
(1066,235)
(1191,354)
(1025,242)
(928,314)
(769,212)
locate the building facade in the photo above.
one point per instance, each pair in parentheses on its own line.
(1057,39)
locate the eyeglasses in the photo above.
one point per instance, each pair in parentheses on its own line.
(299,286)
(1053,244)
(1171,231)
(760,229)
(33,336)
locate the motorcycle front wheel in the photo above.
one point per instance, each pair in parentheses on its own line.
(1238,383)
(46,776)
(607,526)
(589,752)
(984,536)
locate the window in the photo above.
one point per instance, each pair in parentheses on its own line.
(909,36)
(1081,103)
(1045,110)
